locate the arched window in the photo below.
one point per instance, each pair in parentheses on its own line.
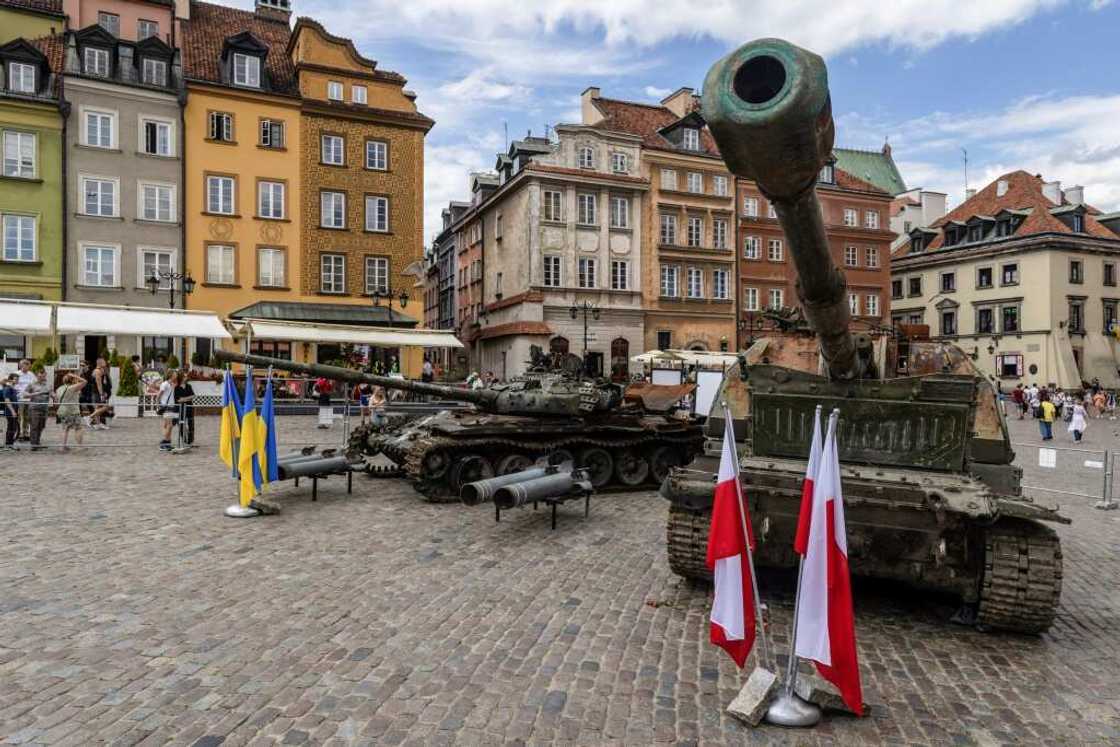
(620,360)
(558,345)
(698,347)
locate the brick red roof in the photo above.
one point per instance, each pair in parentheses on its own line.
(52,47)
(646,121)
(844,180)
(204,36)
(515,328)
(43,6)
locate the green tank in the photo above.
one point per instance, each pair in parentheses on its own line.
(931,495)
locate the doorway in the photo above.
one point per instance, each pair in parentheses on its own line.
(594,364)
(94,345)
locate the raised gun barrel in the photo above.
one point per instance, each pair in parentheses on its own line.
(768,107)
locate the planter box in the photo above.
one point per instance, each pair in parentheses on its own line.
(125,407)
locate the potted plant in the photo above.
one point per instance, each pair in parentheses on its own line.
(126,400)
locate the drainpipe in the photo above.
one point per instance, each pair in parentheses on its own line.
(64,112)
(482,279)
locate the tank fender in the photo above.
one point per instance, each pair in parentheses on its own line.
(689,489)
(1027,509)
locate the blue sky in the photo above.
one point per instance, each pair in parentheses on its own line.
(1029,84)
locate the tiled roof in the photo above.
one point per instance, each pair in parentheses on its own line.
(52,47)
(515,328)
(646,121)
(329,313)
(210,25)
(844,180)
(873,166)
(43,6)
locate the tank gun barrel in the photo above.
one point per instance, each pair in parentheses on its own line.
(767,104)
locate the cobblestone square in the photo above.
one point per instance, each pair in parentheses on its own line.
(133,612)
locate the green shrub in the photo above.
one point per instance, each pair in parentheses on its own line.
(198,359)
(50,357)
(172,362)
(130,382)
(37,365)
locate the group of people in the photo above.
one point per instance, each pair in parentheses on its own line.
(1048,403)
(82,401)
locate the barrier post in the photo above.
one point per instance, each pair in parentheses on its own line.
(1106,503)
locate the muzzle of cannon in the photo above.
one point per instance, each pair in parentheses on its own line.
(767,105)
(482,491)
(555,485)
(311,467)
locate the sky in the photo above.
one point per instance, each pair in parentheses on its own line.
(1019,84)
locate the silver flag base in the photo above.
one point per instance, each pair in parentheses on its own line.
(237,511)
(790,710)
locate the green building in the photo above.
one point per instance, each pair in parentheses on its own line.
(30,19)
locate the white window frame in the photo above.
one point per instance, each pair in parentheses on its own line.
(141,29)
(143,121)
(358,99)
(114,249)
(587,272)
(115,181)
(142,276)
(220,278)
(775,252)
(18,73)
(853,304)
(379,213)
(141,203)
(109,114)
(620,212)
(776,298)
(270,126)
(668,179)
(667,228)
(694,283)
(585,157)
(694,182)
(324,152)
(694,232)
(690,138)
(851,217)
(336,91)
(719,233)
(269,210)
(720,285)
(20,140)
(376,274)
(873,257)
(587,209)
(156,65)
(871,219)
(752,247)
(620,163)
(15,257)
(552,205)
(324,210)
(851,256)
(552,270)
(871,301)
(337,271)
(750,299)
(750,207)
(251,77)
(771,212)
(92,59)
(111,22)
(620,274)
(224,121)
(670,281)
(275,278)
(377,155)
(221,181)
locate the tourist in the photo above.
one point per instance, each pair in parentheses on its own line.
(1046,416)
(136,366)
(24,378)
(427,371)
(362,392)
(1077,422)
(377,406)
(322,389)
(102,390)
(37,396)
(184,403)
(1033,400)
(69,408)
(1099,402)
(1019,398)
(9,408)
(166,409)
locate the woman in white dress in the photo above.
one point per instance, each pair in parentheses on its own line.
(1077,423)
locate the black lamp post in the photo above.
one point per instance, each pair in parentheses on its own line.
(186,285)
(587,309)
(749,325)
(387,293)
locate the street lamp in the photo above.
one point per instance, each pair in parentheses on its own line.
(379,293)
(186,285)
(587,309)
(749,325)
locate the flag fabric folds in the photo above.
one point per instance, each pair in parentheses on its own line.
(732,626)
(230,429)
(801,539)
(825,618)
(251,445)
(271,471)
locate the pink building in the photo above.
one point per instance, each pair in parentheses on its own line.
(131,20)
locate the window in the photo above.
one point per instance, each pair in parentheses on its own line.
(917,244)
(620,275)
(1076,271)
(219,195)
(377,275)
(695,231)
(1009,274)
(770,211)
(585,209)
(851,217)
(670,281)
(1078,224)
(1009,366)
(156,137)
(332,150)
(111,22)
(219,264)
(221,127)
(664,339)
(332,273)
(358,95)
(20,238)
(144,29)
(719,185)
(774,250)
(270,199)
(19,154)
(271,348)
(498,226)
(272,133)
(896,289)
(668,179)
(948,322)
(246,70)
(719,233)
(99,129)
(552,204)
(334,90)
(853,304)
(984,321)
(1010,315)
(948,282)
(872,257)
(871,219)
(750,207)
(498,286)
(332,210)
(871,304)
(100,265)
(619,163)
(752,247)
(586,157)
(984,277)
(750,299)
(916,286)
(155,262)
(1109,276)
(669,229)
(153,72)
(827,174)
(691,138)
(99,196)
(157,202)
(587,273)
(377,213)
(695,182)
(21,78)
(776,298)
(620,212)
(551,271)
(695,282)
(377,155)
(270,267)
(851,256)
(719,284)
(916,318)
(1109,315)
(975,233)
(95,61)
(1076,316)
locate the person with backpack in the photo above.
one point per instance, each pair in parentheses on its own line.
(70,408)
(322,389)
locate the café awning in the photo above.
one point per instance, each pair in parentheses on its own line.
(688,358)
(24,318)
(384,337)
(34,318)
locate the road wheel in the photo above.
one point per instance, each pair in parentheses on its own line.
(630,468)
(511,463)
(661,460)
(599,466)
(470,468)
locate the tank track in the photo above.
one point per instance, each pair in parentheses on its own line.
(687,542)
(1022,581)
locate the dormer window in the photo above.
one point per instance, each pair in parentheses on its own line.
(154,72)
(21,77)
(690,138)
(1078,223)
(111,22)
(246,70)
(917,244)
(1003,228)
(975,233)
(95,61)
(618,163)
(828,174)
(587,157)
(144,29)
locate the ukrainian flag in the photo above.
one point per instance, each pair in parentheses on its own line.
(269,468)
(251,444)
(231,423)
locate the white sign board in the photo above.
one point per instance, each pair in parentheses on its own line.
(667,376)
(1047,458)
(1094,464)
(707,387)
(69,361)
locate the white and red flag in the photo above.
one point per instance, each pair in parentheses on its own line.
(801,539)
(733,610)
(826,632)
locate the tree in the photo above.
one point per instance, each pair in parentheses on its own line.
(130,382)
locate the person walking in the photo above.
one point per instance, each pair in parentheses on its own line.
(24,378)
(1077,422)
(9,408)
(362,392)
(1099,400)
(166,409)
(1033,400)
(323,389)
(427,371)
(37,395)
(377,404)
(1046,417)
(184,405)
(1017,396)
(102,390)
(68,396)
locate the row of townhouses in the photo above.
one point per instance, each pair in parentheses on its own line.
(266,167)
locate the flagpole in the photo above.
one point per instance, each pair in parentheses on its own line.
(791,667)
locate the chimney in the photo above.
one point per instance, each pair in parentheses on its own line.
(680,102)
(1052,191)
(969,193)
(589,113)
(182,10)
(1001,188)
(274,10)
(1075,195)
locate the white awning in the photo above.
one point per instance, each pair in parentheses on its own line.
(120,320)
(687,357)
(260,329)
(25,318)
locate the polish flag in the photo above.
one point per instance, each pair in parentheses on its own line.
(732,618)
(801,539)
(826,632)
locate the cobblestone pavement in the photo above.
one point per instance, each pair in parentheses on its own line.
(132,611)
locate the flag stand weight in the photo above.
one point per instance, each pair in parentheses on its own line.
(788,709)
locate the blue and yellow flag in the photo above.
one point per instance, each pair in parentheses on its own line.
(230,425)
(270,469)
(250,445)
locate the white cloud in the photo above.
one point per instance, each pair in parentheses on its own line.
(656,93)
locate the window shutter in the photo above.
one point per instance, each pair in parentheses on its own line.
(1018,365)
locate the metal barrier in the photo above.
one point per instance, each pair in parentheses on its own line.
(1068,460)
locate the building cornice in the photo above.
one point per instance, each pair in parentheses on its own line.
(378,76)
(243,94)
(1040,242)
(357,113)
(116,88)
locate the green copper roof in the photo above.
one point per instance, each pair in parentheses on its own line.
(872,166)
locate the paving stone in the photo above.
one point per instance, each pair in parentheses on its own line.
(752,701)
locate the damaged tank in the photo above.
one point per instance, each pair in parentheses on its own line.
(623,438)
(931,495)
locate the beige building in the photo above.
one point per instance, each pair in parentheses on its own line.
(1023,276)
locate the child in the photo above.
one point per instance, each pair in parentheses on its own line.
(323,389)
